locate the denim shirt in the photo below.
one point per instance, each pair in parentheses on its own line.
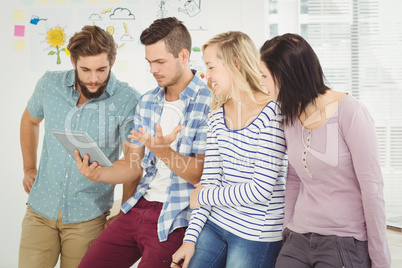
(107,120)
(196,99)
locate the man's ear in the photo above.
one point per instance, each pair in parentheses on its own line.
(184,56)
(112,63)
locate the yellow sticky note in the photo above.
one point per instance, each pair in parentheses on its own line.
(67,52)
(113,1)
(43,1)
(59,1)
(18,15)
(19,45)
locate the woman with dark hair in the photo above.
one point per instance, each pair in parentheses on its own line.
(334,205)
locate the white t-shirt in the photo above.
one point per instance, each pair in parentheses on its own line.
(172,113)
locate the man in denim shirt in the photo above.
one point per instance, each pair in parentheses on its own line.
(169,139)
(66,211)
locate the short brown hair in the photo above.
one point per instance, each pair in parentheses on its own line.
(172,31)
(91,41)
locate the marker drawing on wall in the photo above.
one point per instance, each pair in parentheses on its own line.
(191,8)
(117,22)
(56,38)
(192,12)
(35,20)
(49,32)
(162,11)
(197,61)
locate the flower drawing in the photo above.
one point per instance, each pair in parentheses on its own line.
(56,38)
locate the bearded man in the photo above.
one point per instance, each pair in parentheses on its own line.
(65,211)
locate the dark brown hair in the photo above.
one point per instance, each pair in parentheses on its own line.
(296,71)
(172,31)
(92,41)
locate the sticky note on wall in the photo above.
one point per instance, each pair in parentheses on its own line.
(19,30)
(18,15)
(19,45)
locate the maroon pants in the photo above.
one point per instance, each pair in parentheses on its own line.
(133,236)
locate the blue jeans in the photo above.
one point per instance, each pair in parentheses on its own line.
(217,247)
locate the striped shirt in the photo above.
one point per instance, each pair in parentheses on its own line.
(244,178)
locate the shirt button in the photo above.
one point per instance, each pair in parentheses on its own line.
(66,176)
(64,196)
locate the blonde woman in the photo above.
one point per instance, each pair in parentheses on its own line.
(239,203)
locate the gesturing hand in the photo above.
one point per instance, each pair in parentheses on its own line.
(89,171)
(159,142)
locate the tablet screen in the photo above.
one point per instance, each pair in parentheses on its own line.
(81,141)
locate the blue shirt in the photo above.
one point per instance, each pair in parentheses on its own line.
(107,120)
(196,99)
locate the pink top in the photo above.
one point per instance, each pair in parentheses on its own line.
(334,183)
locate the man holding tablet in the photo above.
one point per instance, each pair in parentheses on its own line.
(66,211)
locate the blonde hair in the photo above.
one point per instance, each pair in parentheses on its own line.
(239,54)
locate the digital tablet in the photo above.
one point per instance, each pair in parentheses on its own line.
(81,141)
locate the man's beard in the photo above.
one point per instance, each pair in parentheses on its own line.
(175,78)
(85,91)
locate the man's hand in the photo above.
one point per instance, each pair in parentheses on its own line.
(194,196)
(89,171)
(29,179)
(182,257)
(159,142)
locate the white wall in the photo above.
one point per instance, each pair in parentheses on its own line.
(18,81)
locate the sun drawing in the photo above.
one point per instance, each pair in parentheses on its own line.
(56,38)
